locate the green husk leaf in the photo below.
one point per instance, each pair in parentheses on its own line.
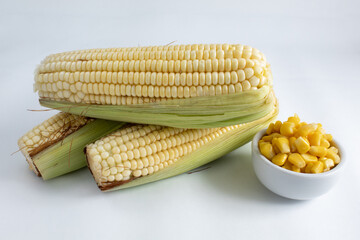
(68,154)
(209,152)
(198,112)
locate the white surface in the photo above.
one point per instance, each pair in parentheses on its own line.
(291,184)
(315,55)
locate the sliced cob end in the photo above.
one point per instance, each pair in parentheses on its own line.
(47,134)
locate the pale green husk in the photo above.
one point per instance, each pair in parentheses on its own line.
(68,154)
(198,112)
(207,153)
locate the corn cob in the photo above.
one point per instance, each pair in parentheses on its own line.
(188,86)
(56,146)
(141,154)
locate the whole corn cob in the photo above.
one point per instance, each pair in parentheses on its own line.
(56,146)
(189,86)
(141,154)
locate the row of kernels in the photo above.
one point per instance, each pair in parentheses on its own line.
(156,141)
(172,66)
(143,94)
(154,79)
(169,47)
(109,82)
(192,52)
(155,49)
(99,99)
(299,144)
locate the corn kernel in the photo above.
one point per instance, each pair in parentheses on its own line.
(267,150)
(269,130)
(305,130)
(308,167)
(318,151)
(279,159)
(295,169)
(318,167)
(287,165)
(295,119)
(277,126)
(328,163)
(302,145)
(309,158)
(297,160)
(282,144)
(287,129)
(292,144)
(328,137)
(333,155)
(324,143)
(334,149)
(315,138)
(267,138)
(270,137)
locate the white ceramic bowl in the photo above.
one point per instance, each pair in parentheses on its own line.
(289,184)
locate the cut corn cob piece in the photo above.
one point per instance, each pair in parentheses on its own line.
(145,153)
(56,146)
(191,86)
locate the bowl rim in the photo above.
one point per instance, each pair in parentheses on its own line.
(256,151)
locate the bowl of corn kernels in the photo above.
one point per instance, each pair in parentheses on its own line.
(297,160)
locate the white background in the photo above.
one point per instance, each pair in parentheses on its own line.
(314,50)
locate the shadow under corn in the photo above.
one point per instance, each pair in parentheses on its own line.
(233,175)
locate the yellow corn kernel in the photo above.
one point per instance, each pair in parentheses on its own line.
(328,137)
(287,165)
(308,167)
(334,149)
(309,158)
(295,169)
(279,159)
(267,150)
(324,143)
(287,129)
(292,144)
(302,145)
(305,130)
(318,151)
(276,135)
(269,130)
(282,144)
(267,138)
(331,153)
(328,163)
(295,119)
(315,138)
(277,126)
(318,167)
(297,160)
